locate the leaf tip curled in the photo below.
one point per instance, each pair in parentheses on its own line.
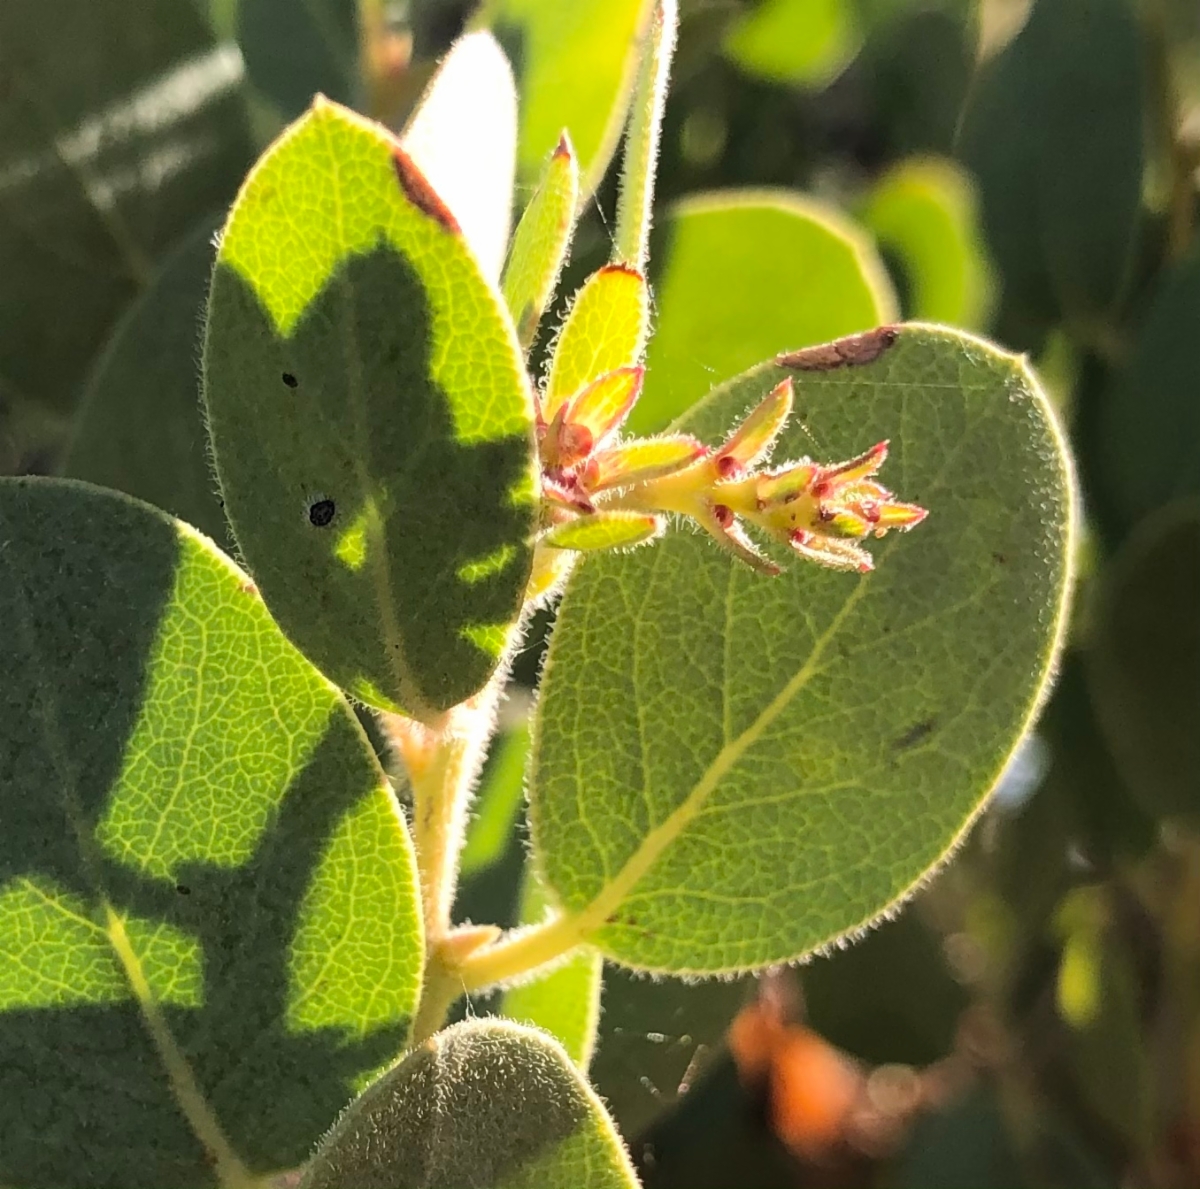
(854,350)
(420,193)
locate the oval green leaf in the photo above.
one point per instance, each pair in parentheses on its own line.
(746,274)
(805,42)
(575,66)
(186,909)
(140,427)
(1061,203)
(770,763)
(924,209)
(486,1103)
(370,418)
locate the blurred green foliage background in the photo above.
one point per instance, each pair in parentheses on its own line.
(1024,170)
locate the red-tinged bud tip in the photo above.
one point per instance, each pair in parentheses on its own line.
(728,466)
(722,515)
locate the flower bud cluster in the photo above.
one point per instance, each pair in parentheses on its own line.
(600,493)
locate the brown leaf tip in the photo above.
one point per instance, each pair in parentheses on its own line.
(563,148)
(628,269)
(852,351)
(420,193)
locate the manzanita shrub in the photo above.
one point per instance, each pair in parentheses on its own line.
(768,712)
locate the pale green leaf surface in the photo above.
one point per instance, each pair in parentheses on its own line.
(140,427)
(207,892)
(605,329)
(541,241)
(925,210)
(565,1002)
(1061,200)
(731,771)
(463,137)
(370,418)
(498,804)
(486,1103)
(574,65)
(120,126)
(807,42)
(1144,662)
(745,275)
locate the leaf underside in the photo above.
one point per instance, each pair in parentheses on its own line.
(768,764)
(197,963)
(370,418)
(485,1103)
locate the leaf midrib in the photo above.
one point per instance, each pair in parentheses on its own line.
(378,553)
(656,841)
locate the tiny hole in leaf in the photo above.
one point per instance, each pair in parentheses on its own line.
(183,889)
(290,380)
(321,513)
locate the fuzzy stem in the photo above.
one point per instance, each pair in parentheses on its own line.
(442,761)
(641,142)
(438,993)
(522,951)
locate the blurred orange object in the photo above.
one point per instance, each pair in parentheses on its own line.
(812,1087)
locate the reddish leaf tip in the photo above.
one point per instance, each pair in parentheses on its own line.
(420,193)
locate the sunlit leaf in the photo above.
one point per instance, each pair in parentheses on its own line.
(605,330)
(924,210)
(744,276)
(370,418)
(541,241)
(197,966)
(575,65)
(769,763)
(463,138)
(795,41)
(498,804)
(486,1103)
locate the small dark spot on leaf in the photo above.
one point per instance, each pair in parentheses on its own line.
(290,380)
(420,193)
(321,513)
(183,889)
(852,351)
(915,734)
(1001,558)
